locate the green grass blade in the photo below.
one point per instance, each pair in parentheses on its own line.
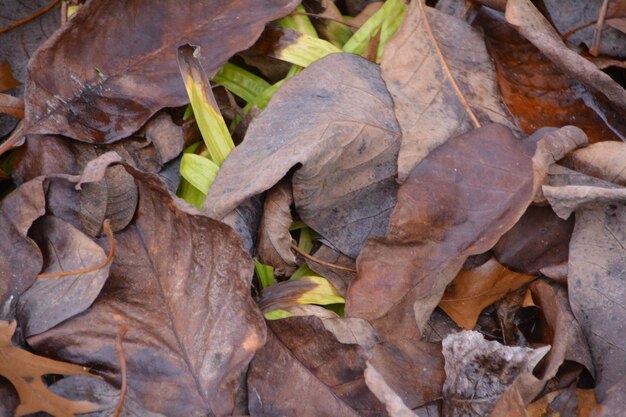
(209,119)
(323,293)
(299,23)
(199,171)
(265,273)
(394,15)
(240,82)
(278,314)
(190,194)
(305,50)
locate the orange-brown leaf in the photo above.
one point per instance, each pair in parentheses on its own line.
(474,289)
(25,371)
(7,81)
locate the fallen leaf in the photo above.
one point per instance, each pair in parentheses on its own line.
(540,239)
(13,106)
(457,202)
(473,290)
(166,136)
(528,21)
(428,109)
(181,284)
(479,372)
(393,403)
(49,301)
(340,278)
(20,258)
(303,290)
(25,371)
(614,402)
(274,246)
(132,72)
(604,160)
(312,374)
(540,93)
(344,134)
(7,81)
(551,404)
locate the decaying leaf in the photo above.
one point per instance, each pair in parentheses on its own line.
(105,92)
(25,371)
(614,403)
(7,81)
(605,160)
(166,136)
(540,239)
(393,403)
(340,278)
(303,290)
(473,290)
(20,258)
(538,92)
(553,403)
(478,372)
(181,283)
(312,374)
(274,239)
(49,301)
(336,120)
(428,108)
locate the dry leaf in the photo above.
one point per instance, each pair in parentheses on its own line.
(550,404)
(103,87)
(25,371)
(429,110)
(13,106)
(604,160)
(473,290)
(7,81)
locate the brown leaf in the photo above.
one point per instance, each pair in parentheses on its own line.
(540,93)
(614,403)
(543,407)
(132,71)
(274,246)
(20,258)
(181,283)
(473,290)
(312,374)
(7,81)
(49,301)
(429,110)
(13,106)
(457,202)
(604,160)
(336,120)
(540,239)
(479,372)
(166,136)
(25,371)
(393,403)
(340,278)
(528,21)
(597,270)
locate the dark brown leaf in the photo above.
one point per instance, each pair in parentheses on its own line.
(538,92)
(274,239)
(103,87)
(312,374)
(7,81)
(540,239)
(336,119)
(49,301)
(429,110)
(181,283)
(20,258)
(166,136)
(479,372)
(340,278)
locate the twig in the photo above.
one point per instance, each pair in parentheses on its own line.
(345,22)
(31,17)
(444,64)
(13,140)
(595,47)
(319,261)
(575,29)
(107,230)
(120,354)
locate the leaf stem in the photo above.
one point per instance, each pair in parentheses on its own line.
(120,354)
(31,17)
(319,261)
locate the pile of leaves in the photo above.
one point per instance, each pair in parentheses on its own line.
(346,208)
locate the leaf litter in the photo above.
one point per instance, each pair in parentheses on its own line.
(346,190)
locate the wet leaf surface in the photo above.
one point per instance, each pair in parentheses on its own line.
(346,138)
(175,280)
(126,81)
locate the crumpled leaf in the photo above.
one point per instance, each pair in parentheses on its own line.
(457,202)
(49,301)
(429,110)
(177,277)
(274,239)
(166,136)
(540,239)
(20,258)
(311,374)
(528,21)
(303,290)
(538,92)
(551,404)
(479,372)
(132,71)
(344,134)
(604,160)
(473,290)
(25,371)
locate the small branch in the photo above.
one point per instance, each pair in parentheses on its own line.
(120,354)
(107,230)
(444,64)
(575,29)
(31,17)
(319,261)
(595,47)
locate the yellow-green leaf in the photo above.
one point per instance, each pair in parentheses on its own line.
(199,171)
